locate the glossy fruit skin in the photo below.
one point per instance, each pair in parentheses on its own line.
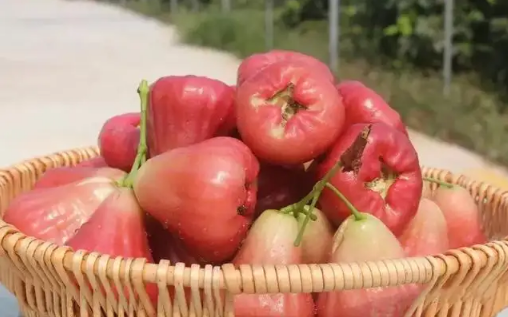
(116,229)
(427,233)
(64,175)
(165,246)
(364,105)
(119,220)
(118,140)
(98,161)
(228,127)
(185,110)
(361,241)
(54,214)
(462,216)
(257,62)
(270,242)
(204,194)
(279,187)
(400,203)
(317,238)
(264,118)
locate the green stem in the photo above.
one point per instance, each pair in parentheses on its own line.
(143,91)
(357,214)
(308,217)
(318,188)
(350,159)
(295,214)
(312,196)
(437,181)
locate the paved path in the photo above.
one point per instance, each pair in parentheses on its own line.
(66,66)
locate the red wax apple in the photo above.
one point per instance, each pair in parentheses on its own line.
(270,241)
(386,181)
(54,214)
(120,219)
(164,245)
(98,161)
(288,114)
(462,216)
(364,105)
(257,62)
(119,139)
(204,194)
(116,228)
(185,110)
(360,240)
(64,175)
(426,234)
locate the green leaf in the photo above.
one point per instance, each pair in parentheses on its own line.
(476,16)
(293,5)
(350,10)
(405,25)
(391,30)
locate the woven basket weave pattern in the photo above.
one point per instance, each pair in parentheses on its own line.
(54,281)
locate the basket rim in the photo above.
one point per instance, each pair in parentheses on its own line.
(227,276)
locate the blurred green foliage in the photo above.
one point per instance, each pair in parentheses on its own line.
(410,32)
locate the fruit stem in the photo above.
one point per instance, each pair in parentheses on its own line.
(356,213)
(312,196)
(350,160)
(308,217)
(437,181)
(288,211)
(143,91)
(316,190)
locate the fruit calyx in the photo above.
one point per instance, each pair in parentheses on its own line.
(241,210)
(285,100)
(128,180)
(350,160)
(383,183)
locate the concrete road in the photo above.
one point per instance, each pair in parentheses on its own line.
(66,66)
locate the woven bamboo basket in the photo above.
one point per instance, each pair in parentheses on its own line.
(49,280)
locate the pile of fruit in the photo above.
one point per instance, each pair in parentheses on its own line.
(286,167)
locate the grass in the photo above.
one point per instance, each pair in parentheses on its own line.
(469,116)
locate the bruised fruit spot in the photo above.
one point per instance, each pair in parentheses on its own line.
(289,106)
(241,210)
(383,183)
